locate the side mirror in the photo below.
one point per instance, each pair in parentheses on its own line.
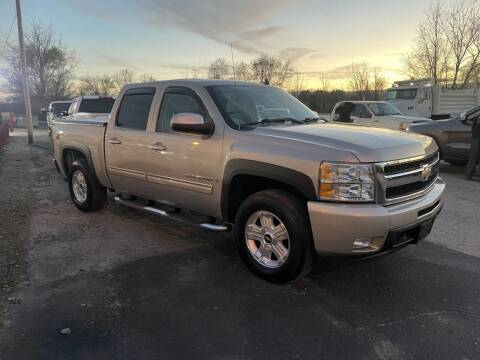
(191,123)
(64,113)
(463,117)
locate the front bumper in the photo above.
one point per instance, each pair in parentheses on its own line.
(338,228)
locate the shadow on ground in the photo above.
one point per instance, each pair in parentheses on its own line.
(201,303)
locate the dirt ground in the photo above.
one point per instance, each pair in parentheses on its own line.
(120,284)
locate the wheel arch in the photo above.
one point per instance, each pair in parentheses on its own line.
(72,153)
(243,178)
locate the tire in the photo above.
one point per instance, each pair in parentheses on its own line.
(254,241)
(86,192)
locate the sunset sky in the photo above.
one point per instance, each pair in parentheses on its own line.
(177,38)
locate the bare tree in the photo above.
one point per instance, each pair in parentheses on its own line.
(368,82)
(379,82)
(50,66)
(243,71)
(359,75)
(297,84)
(462,32)
(146,78)
(262,68)
(325,84)
(274,70)
(446,47)
(218,69)
(97,85)
(429,53)
(123,77)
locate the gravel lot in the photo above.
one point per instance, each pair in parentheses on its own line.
(120,284)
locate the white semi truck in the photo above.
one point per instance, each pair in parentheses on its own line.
(423,99)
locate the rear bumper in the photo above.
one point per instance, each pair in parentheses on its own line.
(339,229)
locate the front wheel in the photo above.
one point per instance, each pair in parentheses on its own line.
(86,192)
(272,231)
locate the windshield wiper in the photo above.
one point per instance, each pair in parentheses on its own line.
(268,121)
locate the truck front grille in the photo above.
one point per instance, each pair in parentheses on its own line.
(391,169)
(406,179)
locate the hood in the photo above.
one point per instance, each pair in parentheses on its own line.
(433,125)
(367,144)
(409,119)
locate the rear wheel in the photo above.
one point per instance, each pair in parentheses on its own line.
(273,235)
(86,192)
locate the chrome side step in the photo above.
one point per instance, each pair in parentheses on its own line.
(173,216)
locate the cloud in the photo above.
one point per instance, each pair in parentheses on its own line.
(245,24)
(294,53)
(102,58)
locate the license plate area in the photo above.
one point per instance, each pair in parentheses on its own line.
(397,238)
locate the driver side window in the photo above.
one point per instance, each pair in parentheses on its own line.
(361,111)
(176,101)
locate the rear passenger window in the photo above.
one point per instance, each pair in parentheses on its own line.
(176,101)
(134,109)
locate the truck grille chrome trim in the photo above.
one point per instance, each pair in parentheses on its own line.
(405,179)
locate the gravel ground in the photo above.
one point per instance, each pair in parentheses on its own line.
(120,284)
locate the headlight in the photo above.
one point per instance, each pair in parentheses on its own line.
(347,182)
(403,126)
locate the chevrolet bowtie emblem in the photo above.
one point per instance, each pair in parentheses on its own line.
(426,172)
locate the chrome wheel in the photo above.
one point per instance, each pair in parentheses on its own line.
(267,239)
(79,186)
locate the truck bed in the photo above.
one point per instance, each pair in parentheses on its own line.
(87,134)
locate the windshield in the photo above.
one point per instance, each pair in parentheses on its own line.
(57,108)
(245,105)
(96,106)
(384,109)
(401,94)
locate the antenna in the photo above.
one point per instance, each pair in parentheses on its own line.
(233,62)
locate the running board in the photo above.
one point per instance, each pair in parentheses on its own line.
(164,213)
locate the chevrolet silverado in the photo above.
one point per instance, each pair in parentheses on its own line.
(253,158)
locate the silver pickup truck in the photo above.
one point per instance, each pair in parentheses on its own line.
(253,157)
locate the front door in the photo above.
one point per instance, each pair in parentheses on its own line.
(361,115)
(183,169)
(459,139)
(424,103)
(125,144)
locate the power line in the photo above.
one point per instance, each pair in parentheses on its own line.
(10,31)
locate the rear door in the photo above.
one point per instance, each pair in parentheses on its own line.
(183,169)
(126,145)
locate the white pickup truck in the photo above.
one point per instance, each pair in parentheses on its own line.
(377,114)
(94,108)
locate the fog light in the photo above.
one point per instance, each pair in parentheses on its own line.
(362,244)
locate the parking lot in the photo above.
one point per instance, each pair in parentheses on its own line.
(121,284)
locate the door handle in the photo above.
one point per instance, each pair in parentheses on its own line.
(114,141)
(157,147)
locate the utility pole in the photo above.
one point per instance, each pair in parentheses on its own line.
(23,62)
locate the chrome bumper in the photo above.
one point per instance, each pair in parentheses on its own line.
(338,229)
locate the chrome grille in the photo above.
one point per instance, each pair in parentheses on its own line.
(406,179)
